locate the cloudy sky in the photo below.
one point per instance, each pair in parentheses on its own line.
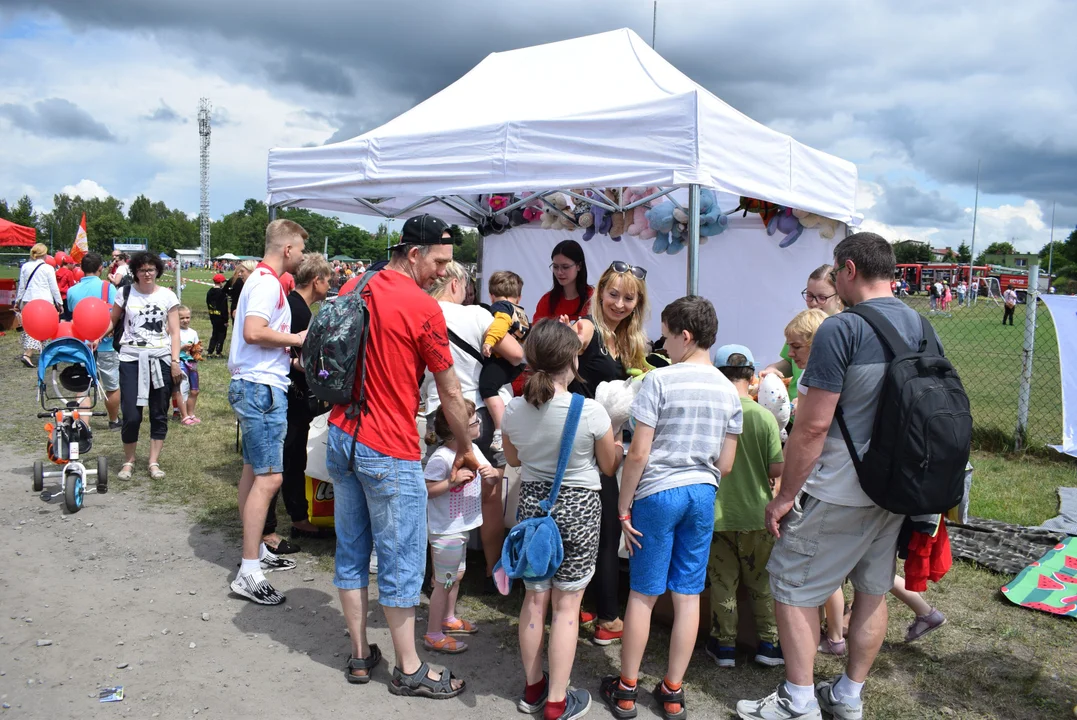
(100,96)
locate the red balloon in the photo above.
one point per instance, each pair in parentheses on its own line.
(78,273)
(50,260)
(64,330)
(90,319)
(40,320)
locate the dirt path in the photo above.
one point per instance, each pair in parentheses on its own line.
(128,583)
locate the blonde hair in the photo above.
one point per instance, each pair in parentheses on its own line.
(453,271)
(628,338)
(279,232)
(180,308)
(38,251)
(804,325)
(823,273)
(312,267)
(248,265)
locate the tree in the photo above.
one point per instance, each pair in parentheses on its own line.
(964,253)
(23,212)
(996,248)
(911,251)
(4,212)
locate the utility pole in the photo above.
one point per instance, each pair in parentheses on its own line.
(975,211)
(1051,245)
(204,111)
(654,23)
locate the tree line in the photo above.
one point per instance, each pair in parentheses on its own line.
(164,229)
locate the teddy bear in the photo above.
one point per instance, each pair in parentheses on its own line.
(711,219)
(532,211)
(660,219)
(827,226)
(618,220)
(196,352)
(554,220)
(582,210)
(637,217)
(786,223)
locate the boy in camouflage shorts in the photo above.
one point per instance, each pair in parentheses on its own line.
(741,546)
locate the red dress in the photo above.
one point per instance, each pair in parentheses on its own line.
(564,307)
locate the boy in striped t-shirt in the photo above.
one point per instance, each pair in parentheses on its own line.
(688,417)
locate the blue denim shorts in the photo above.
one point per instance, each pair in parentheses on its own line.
(262,411)
(677,526)
(380,501)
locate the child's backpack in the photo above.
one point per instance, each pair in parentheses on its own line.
(336,346)
(922,436)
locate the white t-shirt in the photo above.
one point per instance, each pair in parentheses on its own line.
(460,509)
(470,322)
(187,337)
(262,297)
(145,321)
(536,435)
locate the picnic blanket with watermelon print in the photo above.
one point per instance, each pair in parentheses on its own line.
(1050,583)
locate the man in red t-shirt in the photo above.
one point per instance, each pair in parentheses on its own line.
(65,279)
(378,485)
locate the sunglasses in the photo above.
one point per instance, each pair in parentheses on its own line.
(619,266)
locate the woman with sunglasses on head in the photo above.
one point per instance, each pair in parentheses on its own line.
(570,295)
(821,294)
(612,342)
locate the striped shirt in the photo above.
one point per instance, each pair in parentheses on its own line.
(691,408)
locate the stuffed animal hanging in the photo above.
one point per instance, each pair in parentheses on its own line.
(711,220)
(786,223)
(827,226)
(554,220)
(765,210)
(532,211)
(637,217)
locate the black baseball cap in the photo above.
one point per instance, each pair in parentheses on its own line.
(424,230)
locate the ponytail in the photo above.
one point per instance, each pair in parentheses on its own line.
(539,388)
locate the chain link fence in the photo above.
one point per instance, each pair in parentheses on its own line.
(1010,410)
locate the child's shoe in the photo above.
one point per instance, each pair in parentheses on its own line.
(496,444)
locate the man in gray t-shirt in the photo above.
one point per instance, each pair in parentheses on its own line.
(833,531)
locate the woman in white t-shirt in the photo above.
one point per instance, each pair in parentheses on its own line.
(531,433)
(469,324)
(149,358)
(37,281)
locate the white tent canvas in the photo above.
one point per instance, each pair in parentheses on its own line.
(641,122)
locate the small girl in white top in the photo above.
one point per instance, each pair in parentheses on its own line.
(453,510)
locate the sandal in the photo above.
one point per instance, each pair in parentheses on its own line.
(447,645)
(925,624)
(419,684)
(27,361)
(157,474)
(459,627)
(832,647)
(673,697)
(368,663)
(613,693)
(283,548)
(125,471)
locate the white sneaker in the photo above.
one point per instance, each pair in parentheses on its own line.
(257,590)
(776,706)
(271,562)
(495,444)
(843,710)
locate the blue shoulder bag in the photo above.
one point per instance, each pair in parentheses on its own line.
(533,551)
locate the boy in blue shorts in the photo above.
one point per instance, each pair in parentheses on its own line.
(688,417)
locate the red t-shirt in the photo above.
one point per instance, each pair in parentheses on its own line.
(564,307)
(407,336)
(65,279)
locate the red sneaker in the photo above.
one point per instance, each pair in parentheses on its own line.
(606,637)
(586,617)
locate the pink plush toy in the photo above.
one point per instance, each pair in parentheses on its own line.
(638,225)
(533,209)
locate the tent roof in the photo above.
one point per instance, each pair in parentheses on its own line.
(12,235)
(343,258)
(227,256)
(635,121)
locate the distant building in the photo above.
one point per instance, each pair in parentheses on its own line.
(1022,261)
(943,254)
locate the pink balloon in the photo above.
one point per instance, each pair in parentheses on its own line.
(90,319)
(40,320)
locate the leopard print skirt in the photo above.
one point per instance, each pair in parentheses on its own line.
(578,515)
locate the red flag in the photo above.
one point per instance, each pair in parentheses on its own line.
(81,246)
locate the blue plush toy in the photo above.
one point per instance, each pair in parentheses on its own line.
(660,219)
(711,219)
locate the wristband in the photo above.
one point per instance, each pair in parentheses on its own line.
(622,518)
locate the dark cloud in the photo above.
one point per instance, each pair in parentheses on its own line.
(316,74)
(907,205)
(56,118)
(165,114)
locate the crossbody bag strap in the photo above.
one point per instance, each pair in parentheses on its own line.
(463,345)
(568,438)
(30,280)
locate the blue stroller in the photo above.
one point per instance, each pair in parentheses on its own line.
(67,378)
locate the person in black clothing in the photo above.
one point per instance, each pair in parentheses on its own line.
(234,286)
(312,279)
(217,300)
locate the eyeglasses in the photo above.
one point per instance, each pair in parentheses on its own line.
(619,266)
(563,268)
(144,271)
(812,297)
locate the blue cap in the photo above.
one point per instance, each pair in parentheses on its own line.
(721,357)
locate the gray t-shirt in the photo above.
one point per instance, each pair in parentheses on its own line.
(536,435)
(847,357)
(691,408)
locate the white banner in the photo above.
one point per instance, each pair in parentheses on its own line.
(1064,313)
(755,285)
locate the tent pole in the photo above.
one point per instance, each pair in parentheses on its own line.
(272,213)
(693,239)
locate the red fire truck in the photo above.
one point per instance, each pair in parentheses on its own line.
(919,276)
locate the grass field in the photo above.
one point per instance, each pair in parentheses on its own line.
(993,660)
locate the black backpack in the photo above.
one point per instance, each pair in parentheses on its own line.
(920,443)
(336,346)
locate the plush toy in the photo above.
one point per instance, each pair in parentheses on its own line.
(660,220)
(618,220)
(616,397)
(532,211)
(711,219)
(766,210)
(497,202)
(196,352)
(637,216)
(601,224)
(774,397)
(827,226)
(788,224)
(582,210)
(553,220)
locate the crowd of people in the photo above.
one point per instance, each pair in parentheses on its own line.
(697,485)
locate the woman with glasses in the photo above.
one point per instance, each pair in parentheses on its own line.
(822,294)
(149,358)
(570,295)
(612,342)
(467,325)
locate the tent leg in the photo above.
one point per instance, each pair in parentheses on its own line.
(480,275)
(693,239)
(272,213)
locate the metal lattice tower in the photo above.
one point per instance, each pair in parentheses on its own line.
(204,110)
